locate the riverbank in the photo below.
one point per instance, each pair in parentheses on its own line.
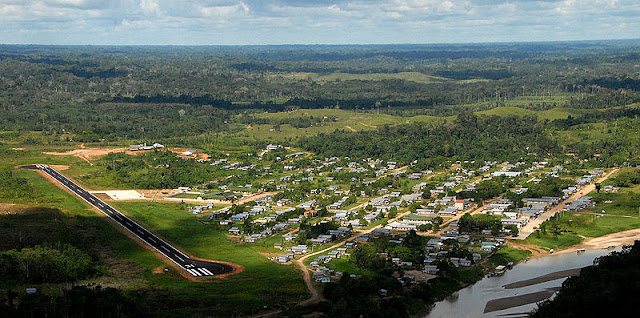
(589,243)
(517,292)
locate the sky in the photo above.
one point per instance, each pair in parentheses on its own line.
(257,22)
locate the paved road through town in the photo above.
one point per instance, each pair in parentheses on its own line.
(195,267)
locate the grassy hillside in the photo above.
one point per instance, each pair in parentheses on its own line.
(358,121)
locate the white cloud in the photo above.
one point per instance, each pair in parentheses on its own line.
(225,10)
(150,7)
(312,21)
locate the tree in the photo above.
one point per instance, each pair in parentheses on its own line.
(393,212)
(513,229)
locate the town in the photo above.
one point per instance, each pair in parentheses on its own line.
(322,209)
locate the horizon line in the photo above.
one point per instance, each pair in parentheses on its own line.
(324,44)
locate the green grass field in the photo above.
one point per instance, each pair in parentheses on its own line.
(550,114)
(407,76)
(263,283)
(128,265)
(550,241)
(508,254)
(357,121)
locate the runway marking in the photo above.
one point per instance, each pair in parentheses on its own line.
(206,271)
(127,223)
(194,272)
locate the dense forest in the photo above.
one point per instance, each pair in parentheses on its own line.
(469,137)
(113,93)
(571,103)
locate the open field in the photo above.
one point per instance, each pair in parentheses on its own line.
(556,242)
(358,121)
(129,266)
(550,114)
(407,76)
(508,254)
(183,229)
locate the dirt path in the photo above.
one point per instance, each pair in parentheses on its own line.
(351,128)
(602,242)
(530,227)
(589,243)
(86,154)
(255,197)
(306,272)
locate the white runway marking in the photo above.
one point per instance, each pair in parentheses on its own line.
(206,271)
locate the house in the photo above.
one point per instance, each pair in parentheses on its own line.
(308,204)
(398,226)
(579,204)
(294,220)
(431,269)
(488,246)
(300,249)
(277,245)
(508,174)
(184,189)
(289,237)
(406,264)
(284,258)
(253,238)
(322,239)
(281,226)
(417,219)
(465,262)
(240,217)
(448,211)
(234,231)
(380,232)
(435,242)
(486,232)
(425,211)
(517,222)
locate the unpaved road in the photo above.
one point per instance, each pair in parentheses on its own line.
(315,295)
(86,154)
(613,239)
(530,227)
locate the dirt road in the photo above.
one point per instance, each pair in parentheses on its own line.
(613,239)
(530,227)
(86,154)
(306,272)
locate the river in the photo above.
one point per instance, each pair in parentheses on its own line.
(471,301)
